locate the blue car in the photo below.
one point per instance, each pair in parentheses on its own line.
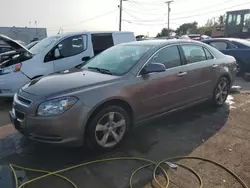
(238,48)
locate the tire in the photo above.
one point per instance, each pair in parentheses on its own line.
(220,95)
(101,128)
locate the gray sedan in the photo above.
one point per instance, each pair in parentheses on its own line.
(122,86)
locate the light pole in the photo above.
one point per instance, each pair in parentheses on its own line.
(168,2)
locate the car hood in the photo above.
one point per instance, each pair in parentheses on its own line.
(15,45)
(60,84)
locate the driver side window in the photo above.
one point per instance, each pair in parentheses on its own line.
(68,47)
(169,56)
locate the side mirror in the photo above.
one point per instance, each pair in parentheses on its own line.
(57,53)
(153,67)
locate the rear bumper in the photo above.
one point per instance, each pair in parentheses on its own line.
(11,83)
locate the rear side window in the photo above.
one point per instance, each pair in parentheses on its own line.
(193,53)
(102,42)
(208,54)
(168,56)
(219,45)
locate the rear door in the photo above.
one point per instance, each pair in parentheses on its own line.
(201,68)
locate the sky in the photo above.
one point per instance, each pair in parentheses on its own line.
(145,17)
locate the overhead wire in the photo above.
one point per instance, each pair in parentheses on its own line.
(142,19)
(98,16)
(200,14)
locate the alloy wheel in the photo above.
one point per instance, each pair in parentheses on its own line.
(110,129)
(221,92)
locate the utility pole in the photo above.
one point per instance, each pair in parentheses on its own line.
(120,18)
(168,2)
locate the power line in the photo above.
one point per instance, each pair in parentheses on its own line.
(139,23)
(142,19)
(146,13)
(137,5)
(179,18)
(110,12)
(202,9)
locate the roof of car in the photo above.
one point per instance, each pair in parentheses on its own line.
(90,32)
(161,42)
(229,39)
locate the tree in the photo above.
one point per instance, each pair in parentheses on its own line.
(187,28)
(164,32)
(209,23)
(222,19)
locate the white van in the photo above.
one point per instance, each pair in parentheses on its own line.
(51,55)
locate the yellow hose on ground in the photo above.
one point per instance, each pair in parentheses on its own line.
(157,165)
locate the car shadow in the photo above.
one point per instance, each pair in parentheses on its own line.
(5,107)
(177,134)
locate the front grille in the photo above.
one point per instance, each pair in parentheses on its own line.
(19,115)
(23,100)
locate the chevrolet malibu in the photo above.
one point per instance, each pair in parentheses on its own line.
(122,86)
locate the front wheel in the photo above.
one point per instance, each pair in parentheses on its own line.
(221,92)
(108,128)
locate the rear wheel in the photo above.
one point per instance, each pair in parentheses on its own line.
(221,92)
(108,128)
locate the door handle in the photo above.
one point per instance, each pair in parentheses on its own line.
(182,73)
(214,66)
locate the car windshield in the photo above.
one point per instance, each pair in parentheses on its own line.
(118,60)
(244,42)
(43,44)
(30,45)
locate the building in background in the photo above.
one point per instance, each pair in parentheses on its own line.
(214,31)
(24,34)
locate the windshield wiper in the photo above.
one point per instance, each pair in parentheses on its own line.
(104,71)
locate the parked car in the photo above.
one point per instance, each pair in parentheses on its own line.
(124,85)
(197,37)
(238,48)
(53,54)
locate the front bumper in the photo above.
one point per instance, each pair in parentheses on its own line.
(65,129)
(11,83)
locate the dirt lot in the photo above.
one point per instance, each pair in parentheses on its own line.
(222,135)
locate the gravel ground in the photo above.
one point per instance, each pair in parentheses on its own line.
(230,146)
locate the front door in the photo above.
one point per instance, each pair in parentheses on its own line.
(158,92)
(71,53)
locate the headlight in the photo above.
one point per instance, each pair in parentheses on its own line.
(56,106)
(13,68)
